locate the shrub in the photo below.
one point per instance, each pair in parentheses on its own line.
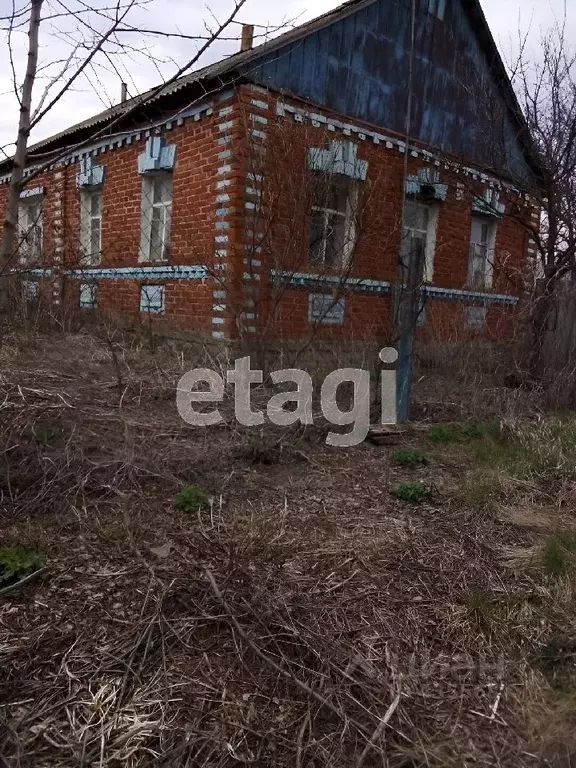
(16,563)
(442,433)
(191,499)
(410,458)
(469,430)
(414,492)
(542,452)
(474,430)
(557,662)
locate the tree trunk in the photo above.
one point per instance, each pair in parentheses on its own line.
(8,246)
(543,307)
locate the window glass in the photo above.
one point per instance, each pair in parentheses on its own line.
(332,225)
(30,229)
(415,239)
(91,224)
(156,217)
(479,266)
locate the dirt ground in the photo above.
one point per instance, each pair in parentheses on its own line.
(312,613)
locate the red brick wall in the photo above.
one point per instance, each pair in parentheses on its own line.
(214,160)
(286,192)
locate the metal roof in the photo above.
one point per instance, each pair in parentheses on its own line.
(226,69)
(219,69)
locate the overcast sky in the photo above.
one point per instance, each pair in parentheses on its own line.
(101,87)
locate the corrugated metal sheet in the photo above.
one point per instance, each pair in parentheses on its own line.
(359,65)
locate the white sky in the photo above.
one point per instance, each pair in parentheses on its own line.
(102,87)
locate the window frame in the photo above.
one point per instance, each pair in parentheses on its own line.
(145,304)
(24,207)
(344,254)
(478,311)
(431,233)
(91,288)
(149,180)
(489,245)
(87,195)
(326,309)
(30,290)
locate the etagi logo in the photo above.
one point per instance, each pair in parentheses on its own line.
(299,400)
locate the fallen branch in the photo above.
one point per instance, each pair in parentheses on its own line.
(261,655)
(22,582)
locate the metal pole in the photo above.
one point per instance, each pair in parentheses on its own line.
(406,282)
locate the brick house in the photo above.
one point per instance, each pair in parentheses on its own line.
(273,192)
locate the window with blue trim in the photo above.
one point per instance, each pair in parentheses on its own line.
(88,295)
(152,299)
(337,173)
(156,165)
(30,290)
(325,308)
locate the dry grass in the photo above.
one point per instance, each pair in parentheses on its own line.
(305,618)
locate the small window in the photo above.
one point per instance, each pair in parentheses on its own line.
(30,290)
(30,230)
(419,240)
(333,228)
(482,244)
(88,295)
(475,317)
(437,8)
(91,225)
(152,299)
(156,217)
(324,308)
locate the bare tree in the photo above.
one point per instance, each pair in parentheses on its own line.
(8,243)
(104,33)
(546,88)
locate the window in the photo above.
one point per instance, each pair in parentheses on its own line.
(324,308)
(88,295)
(156,217)
(30,290)
(152,299)
(30,234)
(419,241)
(482,245)
(91,225)
(475,317)
(332,233)
(437,8)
